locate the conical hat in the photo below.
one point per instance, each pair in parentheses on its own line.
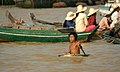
(108,14)
(114,6)
(81,8)
(70,16)
(92,11)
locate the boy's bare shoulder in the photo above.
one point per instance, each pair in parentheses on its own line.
(78,42)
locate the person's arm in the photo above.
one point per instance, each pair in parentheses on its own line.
(79,44)
(115,17)
(106,23)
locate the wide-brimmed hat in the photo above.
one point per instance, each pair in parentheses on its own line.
(108,14)
(80,8)
(113,7)
(70,15)
(92,11)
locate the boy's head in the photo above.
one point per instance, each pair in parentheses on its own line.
(73,36)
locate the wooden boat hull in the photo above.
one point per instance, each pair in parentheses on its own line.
(37,35)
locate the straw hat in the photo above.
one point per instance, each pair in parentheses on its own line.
(92,11)
(81,8)
(114,6)
(70,16)
(108,14)
(111,9)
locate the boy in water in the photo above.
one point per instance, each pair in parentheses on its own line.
(75,45)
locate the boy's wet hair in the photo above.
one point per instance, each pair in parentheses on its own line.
(75,35)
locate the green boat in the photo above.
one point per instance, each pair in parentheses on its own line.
(12,34)
(39,33)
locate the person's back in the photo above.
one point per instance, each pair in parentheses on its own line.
(92,16)
(81,22)
(81,19)
(105,22)
(115,15)
(69,23)
(92,20)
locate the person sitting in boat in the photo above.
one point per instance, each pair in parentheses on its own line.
(81,20)
(75,45)
(69,22)
(92,16)
(115,15)
(105,22)
(21,22)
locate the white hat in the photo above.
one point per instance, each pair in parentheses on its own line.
(114,6)
(92,11)
(81,8)
(108,13)
(111,9)
(70,16)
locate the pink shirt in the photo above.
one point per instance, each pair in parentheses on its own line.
(104,23)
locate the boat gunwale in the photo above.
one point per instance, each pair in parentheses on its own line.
(65,35)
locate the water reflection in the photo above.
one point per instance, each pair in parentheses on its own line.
(43,57)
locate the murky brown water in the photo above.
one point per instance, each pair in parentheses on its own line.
(43,57)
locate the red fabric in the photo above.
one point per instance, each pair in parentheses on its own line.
(89,28)
(91,20)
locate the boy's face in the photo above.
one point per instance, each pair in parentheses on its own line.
(72,38)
